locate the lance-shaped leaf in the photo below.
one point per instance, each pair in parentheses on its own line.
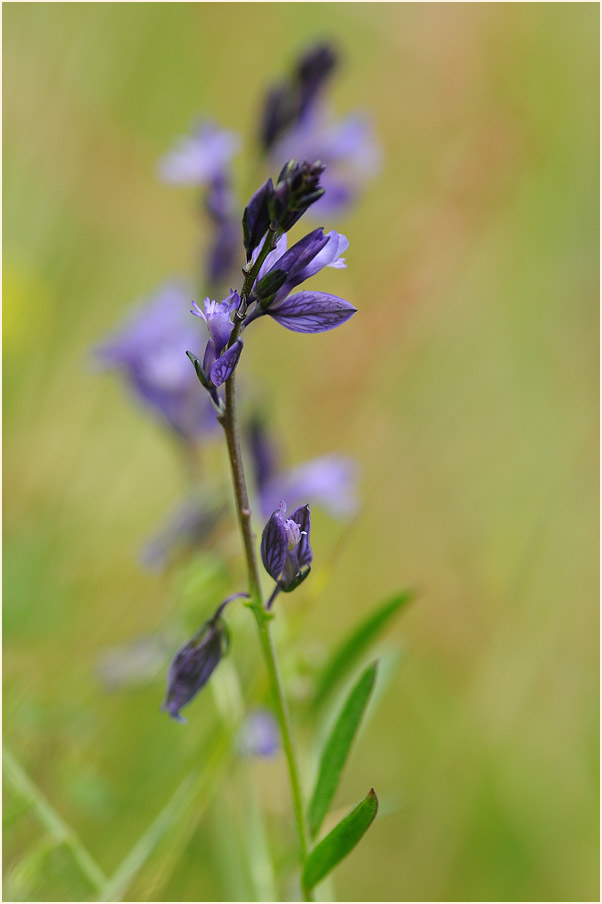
(338,747)
(312,312)
(354,646)
(340,842)
(224,365)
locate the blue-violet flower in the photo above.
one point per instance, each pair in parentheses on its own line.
(285,549)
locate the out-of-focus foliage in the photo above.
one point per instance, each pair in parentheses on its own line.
(465,386)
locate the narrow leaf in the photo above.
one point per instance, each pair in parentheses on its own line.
(340,842)
(354,646)
(338,747)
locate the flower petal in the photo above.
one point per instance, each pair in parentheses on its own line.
(311,312)
(302,517)
(224,365)
(274,545)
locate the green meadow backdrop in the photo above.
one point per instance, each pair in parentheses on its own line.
(465,387)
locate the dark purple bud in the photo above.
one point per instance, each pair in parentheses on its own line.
(223,367)
(278,114)
(298,187)
(313,69)
(193,665)
(311,312)
(292,100)
(285,548)
(274,545)
(256,218)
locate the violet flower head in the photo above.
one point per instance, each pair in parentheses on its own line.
(218,360)
(259,734)
(150,351)
(282,272)
(285,549)
(199,158)
(193,665)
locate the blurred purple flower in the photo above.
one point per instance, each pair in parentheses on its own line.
(328,481)
(150,350)
(285,547)
(201,157)
(218,360)
(259,734)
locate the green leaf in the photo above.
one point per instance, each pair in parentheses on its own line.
(340,841)
(338,746)
(352,648)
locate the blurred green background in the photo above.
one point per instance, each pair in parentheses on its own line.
(466,387)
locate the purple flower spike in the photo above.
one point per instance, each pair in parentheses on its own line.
(312,312)
(193,665)
(197,159)
(224,365)
(285,548)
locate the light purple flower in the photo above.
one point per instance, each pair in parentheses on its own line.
(306,258)
(218,360)
(304,312)
(200,157)
(150,350)
(259,734)
(285,548)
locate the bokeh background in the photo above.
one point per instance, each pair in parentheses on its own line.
(465,387)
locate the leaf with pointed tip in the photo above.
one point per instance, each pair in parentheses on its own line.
(352,648)
(338,747)
(340,842)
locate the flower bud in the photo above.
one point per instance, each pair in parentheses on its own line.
(193,665)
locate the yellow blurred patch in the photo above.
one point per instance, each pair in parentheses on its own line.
(26,303)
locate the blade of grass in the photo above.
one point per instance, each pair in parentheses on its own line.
(352,648)
(59,830)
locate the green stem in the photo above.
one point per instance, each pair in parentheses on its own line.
(229,422)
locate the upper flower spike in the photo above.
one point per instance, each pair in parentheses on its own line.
(289,101)
(279,207)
